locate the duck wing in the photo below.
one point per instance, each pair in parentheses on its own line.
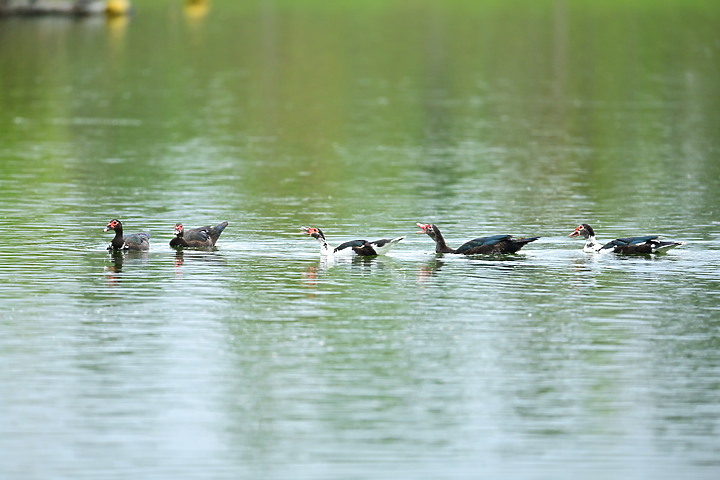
(197,238)
(630,244)
(630,241)
(352,244)
(215,231)
(137,241)
(482,245)
(384,245)
(648,244)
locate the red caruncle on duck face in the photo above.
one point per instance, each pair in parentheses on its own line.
(577,231)
(112,225)
(424,227)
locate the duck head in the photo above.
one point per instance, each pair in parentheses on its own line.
(316,233)
(114,224)
(429,229)
(583,230)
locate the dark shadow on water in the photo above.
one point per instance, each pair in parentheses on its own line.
(210,255)
(507,262)
(119,260)
(649,257)
(502,262)
(510,257)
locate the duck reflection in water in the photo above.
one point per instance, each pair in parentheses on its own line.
(118,259)
(507,262)
(183,256)
(430,269)
(361,264)
(179,258)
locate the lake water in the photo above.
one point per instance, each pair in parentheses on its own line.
(261,360)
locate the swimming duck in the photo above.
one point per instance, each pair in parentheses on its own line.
(627,245)
(134,241)
(201,237)
(354,247)
(495,244)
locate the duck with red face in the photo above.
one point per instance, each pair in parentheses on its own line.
(353,247)
(628,245)
(201,237)
(134,241)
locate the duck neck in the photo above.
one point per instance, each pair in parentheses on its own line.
(591,244)
(118,240)
(178,241)
(440,245)
(324,247)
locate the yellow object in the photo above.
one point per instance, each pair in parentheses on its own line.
(196,9)
(117,8)
(117,26)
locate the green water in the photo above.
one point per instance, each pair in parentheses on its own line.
(261,360)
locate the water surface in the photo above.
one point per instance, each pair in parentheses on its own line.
(261,360)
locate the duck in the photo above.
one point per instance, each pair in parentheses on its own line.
(353,247)
(628,245)
(201,237)
(493,245)
(134,241)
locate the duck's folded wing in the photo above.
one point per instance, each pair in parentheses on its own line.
(476,243)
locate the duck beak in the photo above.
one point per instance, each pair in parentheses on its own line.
(423,227)
(105,229)
(575,233)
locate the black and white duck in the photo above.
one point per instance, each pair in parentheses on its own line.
(353,247)
(628,245)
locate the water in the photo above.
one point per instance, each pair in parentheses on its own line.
(261,360)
